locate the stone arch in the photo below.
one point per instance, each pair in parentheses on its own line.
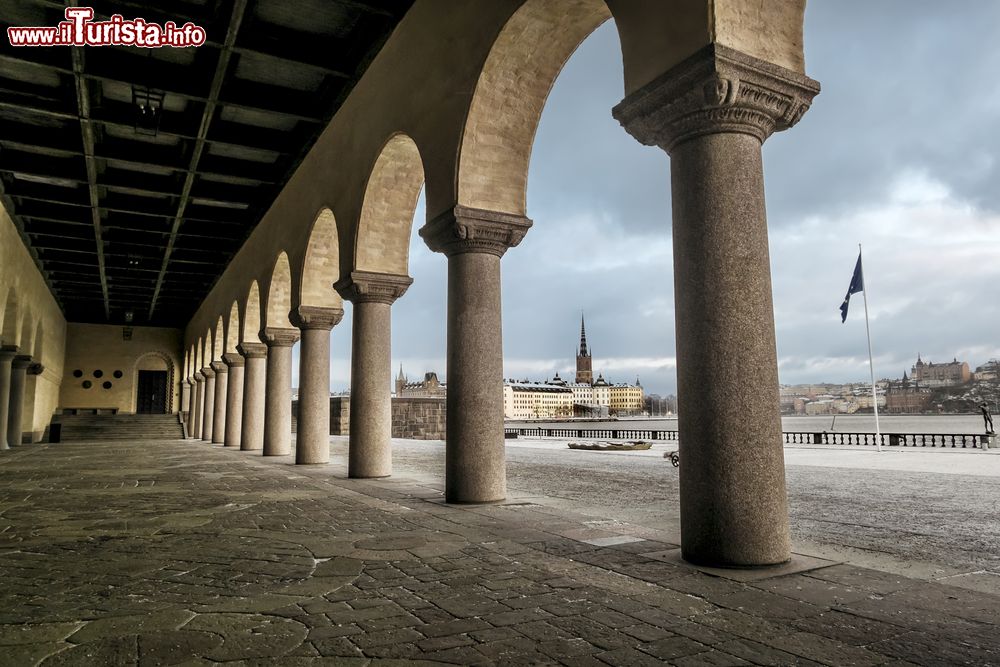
(205,344)
(507,104)
(218,340)
(26,341)
(321,266)
(252,322)
(279,294)
(382,244)
(233,329)
(154,361)
(36,351)
(8,334)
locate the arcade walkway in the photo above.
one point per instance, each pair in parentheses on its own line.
(180,552)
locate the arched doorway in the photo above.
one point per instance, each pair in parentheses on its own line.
(153,378)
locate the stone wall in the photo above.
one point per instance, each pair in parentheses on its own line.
(413,418)
(93,349)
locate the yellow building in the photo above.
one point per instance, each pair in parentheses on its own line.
(625,399)
(535,400)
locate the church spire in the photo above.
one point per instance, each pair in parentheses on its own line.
(584,352)
(584,362)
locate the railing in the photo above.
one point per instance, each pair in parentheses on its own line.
(886,439)
(608,434)
(963,440)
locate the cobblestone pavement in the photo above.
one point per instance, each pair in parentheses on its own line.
(178,552)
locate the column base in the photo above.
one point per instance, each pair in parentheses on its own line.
(711,562)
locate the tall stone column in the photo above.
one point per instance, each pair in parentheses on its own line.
(234,399)
(7,354)
(278,397)
(221,387)
(474,240)
(186,401)
(312,440)
(208,414)
(15,411)
(254,383)
(370,453)
(197,410)
(712,113)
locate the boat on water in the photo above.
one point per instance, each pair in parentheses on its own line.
(608,446)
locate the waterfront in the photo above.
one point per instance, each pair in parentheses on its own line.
(967,423)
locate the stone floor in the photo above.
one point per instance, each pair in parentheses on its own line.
(161,553)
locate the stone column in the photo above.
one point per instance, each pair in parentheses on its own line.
(474,240)
(254,382)
(221,386)
(208,414)
(234,399)
(197,409)
(7,354)
(312,441)
(278,397)
(15,411)
(711,113)
(186,401)
(370,453)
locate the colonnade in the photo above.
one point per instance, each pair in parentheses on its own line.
(711,114)
(14,371)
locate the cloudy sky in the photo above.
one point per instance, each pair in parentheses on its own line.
(900,152)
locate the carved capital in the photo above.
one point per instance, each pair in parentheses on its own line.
(367,287)
(198,377)
(232,359)
(316,317)
(252,350)
(279,336)
(219,367)
(8,352)
(465,229)
(21,361)
(716,90)
(208,372)
(36,369)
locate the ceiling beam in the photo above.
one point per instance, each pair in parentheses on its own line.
(221,67)
(87,131)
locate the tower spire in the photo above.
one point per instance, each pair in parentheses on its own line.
(584,362)
(583,338)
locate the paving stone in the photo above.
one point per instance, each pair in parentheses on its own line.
(249,635)
(116,626)
(710,658)
(821,649)
(848,628)
(32,654)
(761,654)
(172,647)
(100,653)
(672,647)
(36,633)
(628,657)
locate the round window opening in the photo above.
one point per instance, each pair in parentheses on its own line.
(78,374)
(87,384)
(118,375)
(106,385)
(98,374)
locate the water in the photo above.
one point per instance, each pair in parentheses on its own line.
(844,423)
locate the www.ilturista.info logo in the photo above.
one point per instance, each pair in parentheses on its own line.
(79,29)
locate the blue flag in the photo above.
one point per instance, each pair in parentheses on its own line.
(857,285)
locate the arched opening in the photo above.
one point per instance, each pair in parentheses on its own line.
(153,377)
(279,295)
(233,329)
(382,244)
(8,332)
(321,267)
(218,341)
(252,323)
(26,342)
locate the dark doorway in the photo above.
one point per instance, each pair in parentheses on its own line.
(151,394)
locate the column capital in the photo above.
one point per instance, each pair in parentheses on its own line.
(219,367)
(208,372)
(716,90)
(279,336)
(231,359)
(36,369)
(198,377)
(252,350)
(369,287)
(464,229)
(316,317)
(8,352)
(21,361)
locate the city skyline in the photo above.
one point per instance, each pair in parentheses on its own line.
(861,167)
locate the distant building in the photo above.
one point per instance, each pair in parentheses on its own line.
(587,397)
(988,371)
(940,375)
(429,387)
(907,396)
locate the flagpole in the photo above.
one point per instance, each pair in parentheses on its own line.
(871,363)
